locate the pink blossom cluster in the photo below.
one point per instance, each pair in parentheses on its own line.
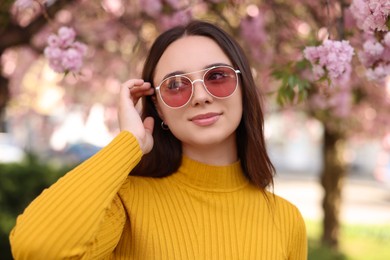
(63,52)
(371,15)
(168,13)
(375,56)
(332,59)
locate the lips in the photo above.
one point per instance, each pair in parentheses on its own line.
(205,119)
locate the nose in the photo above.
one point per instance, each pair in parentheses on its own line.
(200,95)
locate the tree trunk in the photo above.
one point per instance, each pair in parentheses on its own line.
(332,180)
(4,98)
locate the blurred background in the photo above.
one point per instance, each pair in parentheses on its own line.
(322,67)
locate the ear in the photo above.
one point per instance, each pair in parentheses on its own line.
(157,106)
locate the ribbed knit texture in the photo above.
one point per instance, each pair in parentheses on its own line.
(97,211)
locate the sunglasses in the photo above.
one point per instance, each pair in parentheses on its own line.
(219,81)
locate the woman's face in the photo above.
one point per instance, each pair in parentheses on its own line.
(205,120)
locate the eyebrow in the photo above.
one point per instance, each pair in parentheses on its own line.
(180,72)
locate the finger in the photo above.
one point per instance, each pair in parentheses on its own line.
(139,94)
(125,98)
(133,83)
(133,89)
(141,91)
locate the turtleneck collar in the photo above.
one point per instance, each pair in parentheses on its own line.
(210,177)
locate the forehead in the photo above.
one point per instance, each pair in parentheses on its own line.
(190,53)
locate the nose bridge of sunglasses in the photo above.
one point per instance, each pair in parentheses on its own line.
(200,90)
(197,80)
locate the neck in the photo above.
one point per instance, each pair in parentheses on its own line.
(215,154)
(211,177)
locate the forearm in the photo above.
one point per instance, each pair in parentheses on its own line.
(64,219)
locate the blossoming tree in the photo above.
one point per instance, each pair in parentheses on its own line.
(328,58)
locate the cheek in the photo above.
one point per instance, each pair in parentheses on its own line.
(237,101)
(162,109)
(237,105)
(169,116)
(176,124)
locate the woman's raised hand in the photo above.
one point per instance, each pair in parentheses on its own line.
(129,118)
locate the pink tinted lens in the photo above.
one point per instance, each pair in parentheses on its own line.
(176,91)
(221,81)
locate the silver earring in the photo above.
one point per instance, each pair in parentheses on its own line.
(164,126)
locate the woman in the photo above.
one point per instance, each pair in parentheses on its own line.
(201,139)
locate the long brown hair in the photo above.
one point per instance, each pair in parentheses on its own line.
(165,157)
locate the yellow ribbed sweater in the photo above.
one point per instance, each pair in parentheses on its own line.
(97,211)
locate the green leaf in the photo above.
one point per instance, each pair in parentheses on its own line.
(292,81)
(278,74)
(303,64)
(302,96)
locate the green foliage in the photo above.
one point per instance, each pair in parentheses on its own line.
(319,252)
(20,183)
(293,88)
(357,242)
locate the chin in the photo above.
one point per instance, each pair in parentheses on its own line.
(211,139)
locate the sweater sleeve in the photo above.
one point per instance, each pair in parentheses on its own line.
(298,238)
(81,215)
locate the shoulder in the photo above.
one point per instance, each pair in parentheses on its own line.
(142,186)
(291,224)
(284,209)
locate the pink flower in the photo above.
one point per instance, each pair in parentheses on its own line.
(63,52)
(53,41)
(72,60)
(373,48)
(67,36)
(379,73)
(386,39)
(371,14)
(372,51)
(386,55)
(53,52)
(311,54)
(318,71)
(54,55)
(376,58)
(380,7)
(332,58)
(360,11)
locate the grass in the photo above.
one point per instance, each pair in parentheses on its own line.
(357,242)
